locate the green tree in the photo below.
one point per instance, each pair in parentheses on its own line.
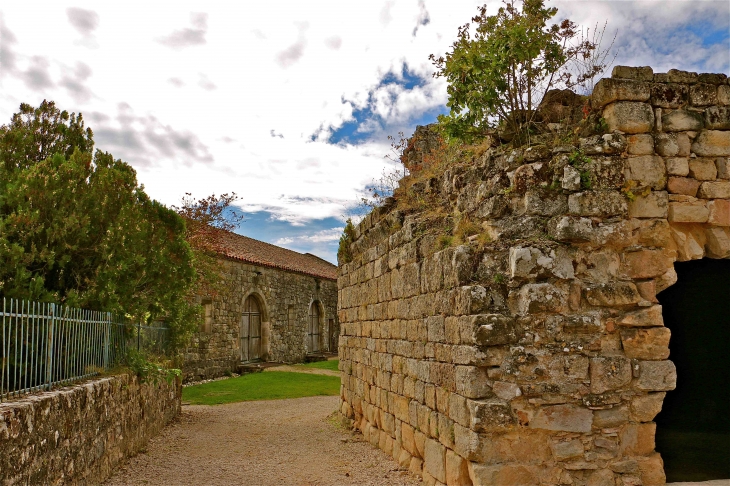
(499,74)
(79,230)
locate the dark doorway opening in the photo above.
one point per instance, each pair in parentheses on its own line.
(693,428)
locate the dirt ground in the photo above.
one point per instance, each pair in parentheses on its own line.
(278,442)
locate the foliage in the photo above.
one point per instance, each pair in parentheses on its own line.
(269,385)
(501,73)
(344,254)
(79,230)
(149,371)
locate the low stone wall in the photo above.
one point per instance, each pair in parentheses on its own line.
(79,434)
(534,351)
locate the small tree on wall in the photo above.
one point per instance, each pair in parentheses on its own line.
(499,73)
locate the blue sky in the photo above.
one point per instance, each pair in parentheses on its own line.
(288,104)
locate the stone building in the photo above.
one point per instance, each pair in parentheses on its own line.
(276,305)
(536,350)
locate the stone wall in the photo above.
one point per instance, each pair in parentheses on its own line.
(535,352)
(79,434)
(285,299)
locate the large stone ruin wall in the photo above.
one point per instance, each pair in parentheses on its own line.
(541,356)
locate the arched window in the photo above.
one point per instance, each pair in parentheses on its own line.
(251,330)
(313,332)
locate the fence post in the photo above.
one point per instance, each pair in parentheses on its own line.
(107,331)
(49,354)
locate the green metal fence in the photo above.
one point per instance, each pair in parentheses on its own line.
(45,345)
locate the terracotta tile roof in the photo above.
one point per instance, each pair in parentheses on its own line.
(245,249)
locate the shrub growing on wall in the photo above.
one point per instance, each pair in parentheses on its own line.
(499,70)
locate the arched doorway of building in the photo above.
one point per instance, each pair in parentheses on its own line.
(313,331)
(251,330)
(693,428)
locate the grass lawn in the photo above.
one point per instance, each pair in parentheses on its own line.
(331,365)
(271,385)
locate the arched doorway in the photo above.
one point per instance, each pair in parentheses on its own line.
(251,330)
(693,428)
(313,333)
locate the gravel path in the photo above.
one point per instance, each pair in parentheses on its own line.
(278,442)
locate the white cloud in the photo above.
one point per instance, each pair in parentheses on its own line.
(205,91)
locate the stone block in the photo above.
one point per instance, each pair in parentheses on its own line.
(529,176)
(645,263)
(648,170)
(703,94)
(717,118)
(467,443)
(563,418)
(681,121)
(404,459)
(597,203)
(647,289)
(569,449)
(715,190)
(490,415)
(611,417)
(503,474)
(629,117)
(457,470)
(608,90)
(712,143)
(669,95)
(723,95)
(530,262)
(538,298)
(712,78)
(434,461)
(609,373)
(719,212)
(688,212)
(571,178)
(723,167)
(677,76)
(506,390)
(416,467)
(718,242)
(651,470)
(472,382)
(653,205)
(537,204)
(640,144)
(703,169)
(656,376)
(672,144)
(650,343)
(602,477)
(495,330)
(654,232)
(683,185)
(649,317)
(678,166)
(637,439)
(612,294)
(645,407)
(606,144)
(641,73)
(689,241)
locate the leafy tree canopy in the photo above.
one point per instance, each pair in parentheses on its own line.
(78,229)
(498,71)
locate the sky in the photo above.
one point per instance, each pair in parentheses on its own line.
(289,104)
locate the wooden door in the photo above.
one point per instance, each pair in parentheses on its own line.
(313,333)
(251,330)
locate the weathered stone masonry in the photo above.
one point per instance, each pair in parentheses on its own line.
(79,434)
(541,357)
